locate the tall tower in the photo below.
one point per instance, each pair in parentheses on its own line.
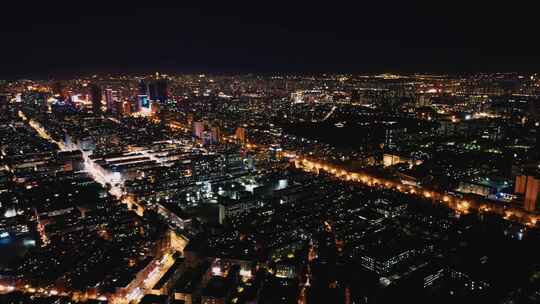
(59,89)
(216,134)
(111,97)
(529,186)
(162,90)
(3,101)
(95,93)
(240,135)
(531,193)
(198,129)
(143,102)
(189,119)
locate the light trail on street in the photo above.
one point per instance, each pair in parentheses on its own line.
(458,204)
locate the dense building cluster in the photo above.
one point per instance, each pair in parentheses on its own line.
(270,189)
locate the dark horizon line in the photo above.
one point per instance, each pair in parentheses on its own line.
(277,72)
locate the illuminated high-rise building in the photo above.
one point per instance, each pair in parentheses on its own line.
(95,95)
(126,108)
(529,187)
(158,90)
(59,89)
(531,193)
(520,184)
(240,135)
(215,134)
(119,108)
(111,97)
(3,101)
(143,103)
(162,90)
(152,92)
(198,129)
(143,88)
(143,100)
(207,138)
(189,119)
(156,110)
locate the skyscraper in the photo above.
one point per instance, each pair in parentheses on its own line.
(158,89)
(240,135)
(152,91)
(198,129)
(157,110)
(143,88)
(58,88)
(143,102)
(3,101)
(531,193)
(215,134)
(110,98)
(520,184)
(126,108)
(95,94)
(119,108)
(189,119)
(162,90)
(529,186)
(207,138)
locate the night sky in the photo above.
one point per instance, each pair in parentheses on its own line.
(84,37)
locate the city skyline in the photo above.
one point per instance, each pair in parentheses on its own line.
(245,188)
(269,153)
